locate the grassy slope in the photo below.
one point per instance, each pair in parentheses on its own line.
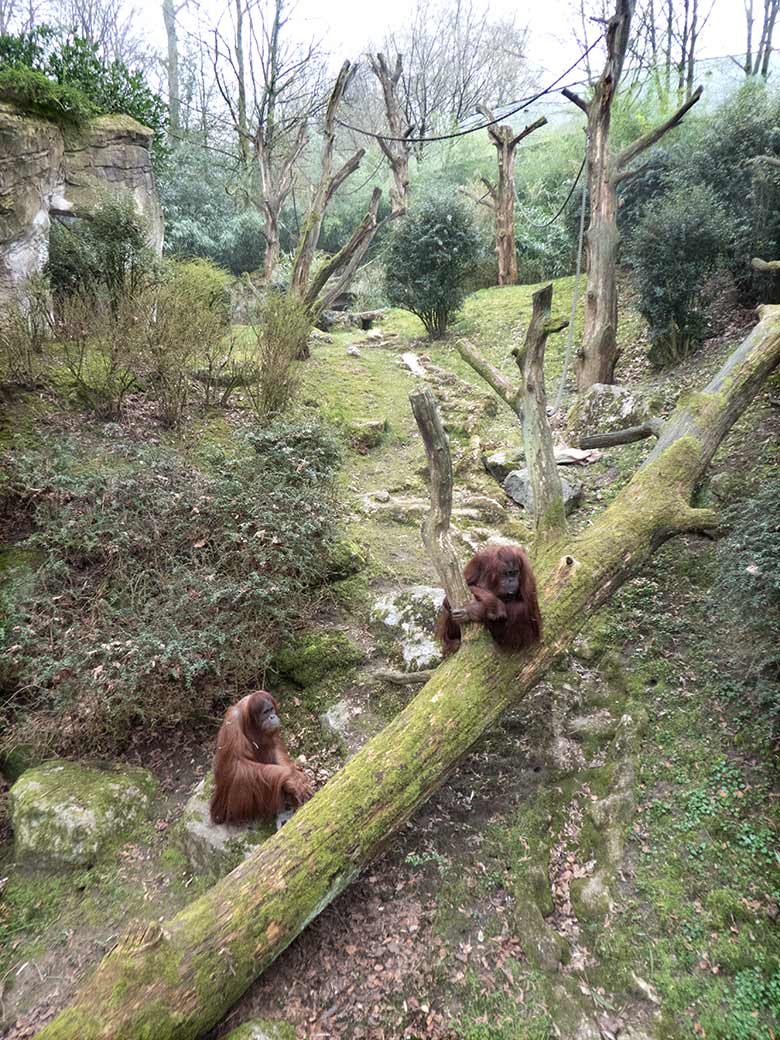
(695,915)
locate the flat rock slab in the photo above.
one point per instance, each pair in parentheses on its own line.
(407,620)
(518,486)
(216,849)
(72,814)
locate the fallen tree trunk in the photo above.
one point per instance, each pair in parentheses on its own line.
(177,979)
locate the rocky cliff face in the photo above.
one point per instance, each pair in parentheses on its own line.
(45,173)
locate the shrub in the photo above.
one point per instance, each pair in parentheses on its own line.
(427,259)
(109,251)
(59,75)
(678,242)
(278,340)
(33,92)
(184,322)
(161,588)
(242,247)
(25,330)
(101,345)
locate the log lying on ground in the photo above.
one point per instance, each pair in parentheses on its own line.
(650,428)
(177,979)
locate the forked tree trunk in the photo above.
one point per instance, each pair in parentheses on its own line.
(503,194)
(176,979)
(598,353)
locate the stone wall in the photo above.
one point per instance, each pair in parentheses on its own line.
(45,172)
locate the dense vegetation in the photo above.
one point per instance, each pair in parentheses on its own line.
(60,75)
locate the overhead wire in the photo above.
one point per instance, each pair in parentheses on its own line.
(526,103)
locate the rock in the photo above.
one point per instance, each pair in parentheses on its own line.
(44,172)
(350,725)
(345,558)
(378,496)
(374,336)
(364,434)
(309,658)
(211,849)
(68,813)
(401,510)
(353,351)
(412,362)
(518,486)
(263,1029)
(500,464)
(407,620)
(487,509)
(601,724)
(604,408)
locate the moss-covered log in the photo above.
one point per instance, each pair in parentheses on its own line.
(179,978)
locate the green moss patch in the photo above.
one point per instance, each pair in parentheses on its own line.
(311,657)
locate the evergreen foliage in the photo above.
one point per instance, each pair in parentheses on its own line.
(427,259)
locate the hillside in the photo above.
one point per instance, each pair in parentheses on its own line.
(604,862)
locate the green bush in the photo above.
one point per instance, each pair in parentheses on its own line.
(102,349)
(427,259)
(242,246)
(25,333)
(161,588)
(184,321)
(59,75)
(33,92)
(679,241)
(108,252)
(279,339)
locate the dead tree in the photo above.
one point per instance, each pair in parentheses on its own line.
(335,274)
(175,979)
(502,193)
(396,151)
(528,401)
(598,354)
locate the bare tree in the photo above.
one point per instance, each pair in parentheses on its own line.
(109,25)
(502,193)
(757,61)
(598,353)
(170,11)
(271,87)
(456,57)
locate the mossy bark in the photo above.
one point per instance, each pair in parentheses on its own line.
(175,980)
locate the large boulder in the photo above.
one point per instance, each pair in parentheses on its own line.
(113,153)
(310,657)
(518,486)
(407,620)
(68,813)
(604,408)
(45,173)
(213,850)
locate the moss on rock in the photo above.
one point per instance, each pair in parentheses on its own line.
(68,813)
(309,658)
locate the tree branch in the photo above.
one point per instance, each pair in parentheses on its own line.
(509,394)
(436,525)
(528,130)
(575,99)
(549,512)
(651,428)
(646,140)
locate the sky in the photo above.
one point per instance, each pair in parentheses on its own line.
(346,26)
